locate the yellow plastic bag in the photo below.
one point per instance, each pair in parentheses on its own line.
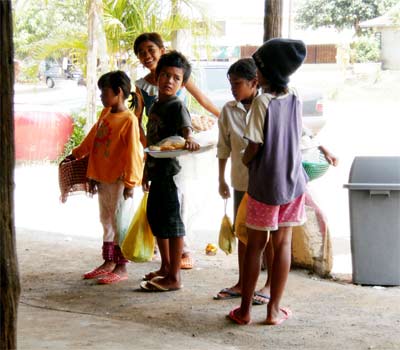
(240,223)
(138,245)
(226,239)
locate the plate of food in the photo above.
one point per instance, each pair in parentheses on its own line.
(172,147)
(202,122)
(166,154)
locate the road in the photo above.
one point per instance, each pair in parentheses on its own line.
(65,96)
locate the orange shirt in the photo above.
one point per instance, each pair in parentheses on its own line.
(114,149)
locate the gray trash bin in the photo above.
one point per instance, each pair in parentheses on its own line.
(374,199)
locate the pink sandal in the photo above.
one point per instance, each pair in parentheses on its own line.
(95,273)
(235,318)
(112,278)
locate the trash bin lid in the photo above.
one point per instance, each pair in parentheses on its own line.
(375,173)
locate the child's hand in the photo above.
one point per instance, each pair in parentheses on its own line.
(330,158)
(145,183)
(68,158)
(128,193)
(224,190)
(191,145)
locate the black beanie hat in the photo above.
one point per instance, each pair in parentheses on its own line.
(278,58)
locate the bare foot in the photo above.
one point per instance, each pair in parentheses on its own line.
(166,283)
(149,276)
(107,265)
(236,316)
(120,270)
(103,269)
(262,296)
(229,293)
(277,319)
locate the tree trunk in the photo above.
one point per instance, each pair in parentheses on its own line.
(94,8)
(9,276)
(273,12)
(102,40)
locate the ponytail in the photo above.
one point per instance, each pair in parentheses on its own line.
(133,101)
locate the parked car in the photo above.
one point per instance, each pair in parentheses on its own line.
(211,78)
(54,73)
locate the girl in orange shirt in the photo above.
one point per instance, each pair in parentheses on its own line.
(116,164)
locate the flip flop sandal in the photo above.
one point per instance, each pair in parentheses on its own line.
(233,317)
(187,263)
(149,276)
(153,286)
(229,294)
(258,301)
(95,273)
(112,278)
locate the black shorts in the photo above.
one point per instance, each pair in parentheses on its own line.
(163,209)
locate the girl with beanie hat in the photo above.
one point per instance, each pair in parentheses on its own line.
(277,180)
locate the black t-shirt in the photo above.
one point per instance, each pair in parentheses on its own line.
(166,119)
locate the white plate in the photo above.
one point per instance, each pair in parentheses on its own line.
(176,153)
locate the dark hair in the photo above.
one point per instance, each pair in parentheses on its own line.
(244,68)
(115,80)
(174,59)
(153,36)
(273,87)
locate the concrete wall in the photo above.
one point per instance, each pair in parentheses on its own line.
(390,54)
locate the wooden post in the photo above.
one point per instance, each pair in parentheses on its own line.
(273,12)
(9,276)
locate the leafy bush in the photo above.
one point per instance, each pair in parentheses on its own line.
(365,49)
(28,73)
(78,133)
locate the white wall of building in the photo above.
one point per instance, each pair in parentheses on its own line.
(390,52)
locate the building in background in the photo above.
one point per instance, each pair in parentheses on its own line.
(388,25)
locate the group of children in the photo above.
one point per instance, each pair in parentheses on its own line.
(261,134)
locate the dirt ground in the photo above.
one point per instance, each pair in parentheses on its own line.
(59,310)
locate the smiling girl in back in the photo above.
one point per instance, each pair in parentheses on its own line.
(149,47)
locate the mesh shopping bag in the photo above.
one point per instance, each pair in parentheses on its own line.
(315,166)
(72,177)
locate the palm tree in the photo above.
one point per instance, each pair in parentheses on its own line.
(124,20)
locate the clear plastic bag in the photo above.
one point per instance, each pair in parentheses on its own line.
(124,218)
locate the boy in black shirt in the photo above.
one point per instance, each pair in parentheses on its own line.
(167,117)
